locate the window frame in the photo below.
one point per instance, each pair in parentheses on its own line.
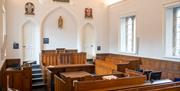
(170,31)
(124,29)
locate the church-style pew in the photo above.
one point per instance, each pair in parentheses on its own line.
(55,59)
(138,87)
(14,76)
(60,85)
(169,68)
(52,70)
(63,83)
(20,79)
(88,85)
(109,65)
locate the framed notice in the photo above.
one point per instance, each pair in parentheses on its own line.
(45,40)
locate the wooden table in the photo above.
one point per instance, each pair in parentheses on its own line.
(75,75)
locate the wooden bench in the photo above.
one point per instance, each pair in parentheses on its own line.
(14,76)
(88,85)
(63,58)
(52,70)
(108,66)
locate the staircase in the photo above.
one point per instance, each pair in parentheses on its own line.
(37,78)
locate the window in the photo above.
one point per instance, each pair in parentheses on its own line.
(176,31)
(172,43)
(128,34)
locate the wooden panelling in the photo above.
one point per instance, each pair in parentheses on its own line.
(101,84)
(63,58)
(60,85)
(19,79)
(52,70)
(112,64)
(170,69)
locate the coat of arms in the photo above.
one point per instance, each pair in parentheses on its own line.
(29,8)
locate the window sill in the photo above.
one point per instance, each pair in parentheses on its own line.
(172,57)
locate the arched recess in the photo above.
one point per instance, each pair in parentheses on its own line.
(30,42)
(58,38)
(88,40)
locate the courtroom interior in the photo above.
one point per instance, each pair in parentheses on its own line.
(89,45)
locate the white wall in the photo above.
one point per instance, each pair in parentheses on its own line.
(46,22)
(60,38)
(150,32)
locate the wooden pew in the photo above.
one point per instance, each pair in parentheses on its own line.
(16,78)
(79,58)
(52,70)
(172,88)
(169,68)
(101,84)
(49,59)
(138,87)
(19,79)
(60,84)
(108,66)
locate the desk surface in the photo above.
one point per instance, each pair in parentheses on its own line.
(77,74)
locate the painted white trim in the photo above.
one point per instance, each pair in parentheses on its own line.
(168,8)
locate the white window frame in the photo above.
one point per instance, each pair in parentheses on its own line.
(123,45)
(170,29)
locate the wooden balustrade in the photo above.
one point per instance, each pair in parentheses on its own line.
(51,71)
(170,69)
(60,85)
(63,58)
(101,84)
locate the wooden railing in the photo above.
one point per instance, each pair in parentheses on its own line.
(63,58)
(109,65)
(59,84)
(19,78)
(56,70)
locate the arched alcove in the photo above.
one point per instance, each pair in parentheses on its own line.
(88,40)
(65,37)
(30,42)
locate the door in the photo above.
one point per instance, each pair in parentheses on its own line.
(29,42)
(88,40)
